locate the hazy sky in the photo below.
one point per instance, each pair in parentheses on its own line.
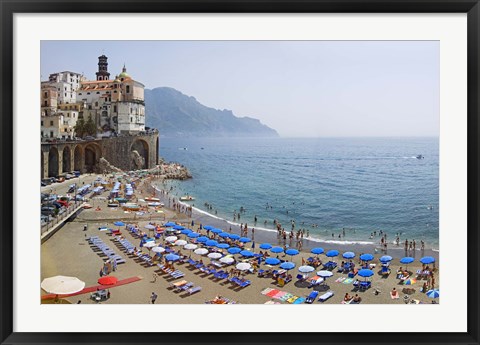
(299,88)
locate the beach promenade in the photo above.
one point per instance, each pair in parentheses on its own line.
(69,253)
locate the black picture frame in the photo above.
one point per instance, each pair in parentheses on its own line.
(11,7)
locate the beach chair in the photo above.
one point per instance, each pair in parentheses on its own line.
(193,290)
(244,283)
(184,287)
(385,271)
(311,298)
(177,274)
(325,296)
(178,284)
(300,277)
(365,285)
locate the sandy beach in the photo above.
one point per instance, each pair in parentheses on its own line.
(69,253)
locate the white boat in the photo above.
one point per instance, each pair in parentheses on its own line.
(149,198)
(187,198)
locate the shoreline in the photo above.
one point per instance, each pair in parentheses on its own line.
(263,235)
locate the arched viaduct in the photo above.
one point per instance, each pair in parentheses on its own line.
(123,152)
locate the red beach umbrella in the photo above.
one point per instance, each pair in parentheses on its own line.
(108,280)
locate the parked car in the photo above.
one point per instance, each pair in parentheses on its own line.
(47,181)
(60,178)
(89,137)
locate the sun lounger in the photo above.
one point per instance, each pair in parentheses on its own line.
(177,274)
(311,298)
(192,290)
(330,265)
(184,287)
(325,296)
(178,284)
(244,283)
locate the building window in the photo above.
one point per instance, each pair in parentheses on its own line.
(45,95)
(51,123)
(41,125)
(96,104)
(114,108)
(131,119)
(128,88)
(45,103)
(98,92)
(51,134)
(80,93)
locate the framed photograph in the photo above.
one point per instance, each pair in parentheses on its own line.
(285,160)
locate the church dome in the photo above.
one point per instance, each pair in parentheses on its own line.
(124,73)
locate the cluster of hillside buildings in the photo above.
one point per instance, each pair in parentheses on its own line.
(116,106)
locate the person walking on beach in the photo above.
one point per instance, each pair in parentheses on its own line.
(414,244)
(154,277)
(85,227)
(153,297)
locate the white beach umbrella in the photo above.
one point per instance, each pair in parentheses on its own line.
(201,251)
(190,246)
(324,274)
(227,260)
(214,255)
(150,244)
(62,285)
(158,249)
(243,266)
(180,242)
(306,269)
(171,238)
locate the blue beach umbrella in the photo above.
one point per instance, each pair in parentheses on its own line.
(386,258)
(365,273)
(272,261)
(202,239)
(193,234)
(287,265)
(234,250)
(119,223)
(211,243)
(208,227)
(245,239)
(186,231)
(277,250)
(246,253)
(216,231)
(407,260)
(317,250)
(348,255)
(292,252)
(234,236)
(433,293)
(366,257)
(224,234)
(170,224)
(427,260)
(332,253)
(223,245)
(265,246)
(178,227)
(172,257)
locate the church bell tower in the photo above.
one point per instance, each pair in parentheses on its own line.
(102,73)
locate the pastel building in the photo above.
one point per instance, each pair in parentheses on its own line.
(117,106)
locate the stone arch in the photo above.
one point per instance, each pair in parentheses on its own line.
(140,154)
(92,155)
(53,160)
(66,161)
(78,158)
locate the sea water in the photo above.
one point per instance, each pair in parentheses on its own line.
(325,185)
